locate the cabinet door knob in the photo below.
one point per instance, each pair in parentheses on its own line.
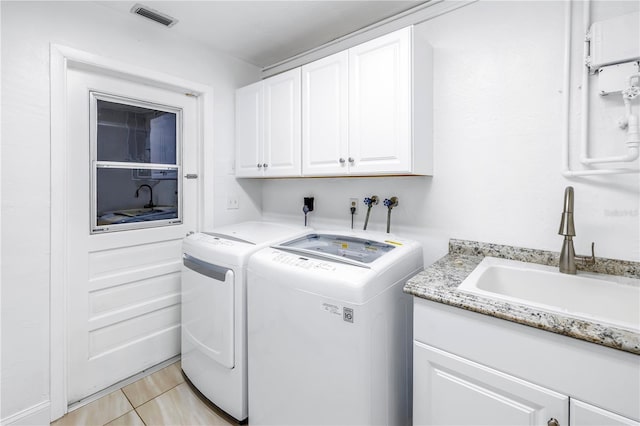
(341,160)
(259,165)
(351,160)
(553,422)
(265,165)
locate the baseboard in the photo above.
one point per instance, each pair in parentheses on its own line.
(36,415)
(94,397)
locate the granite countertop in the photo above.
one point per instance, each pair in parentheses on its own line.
(439,282)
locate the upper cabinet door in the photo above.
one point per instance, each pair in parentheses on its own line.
(364,111)
(325,116)
(249,131)
(282,129)
(380,104)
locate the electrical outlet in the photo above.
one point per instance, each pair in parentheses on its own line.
(232,203)
(353,202)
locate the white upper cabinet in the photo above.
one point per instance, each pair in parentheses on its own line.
(325,132)
(282,125)
(249,131)
(268,132)
(365,111)
(380,136)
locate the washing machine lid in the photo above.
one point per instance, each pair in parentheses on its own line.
(342,248)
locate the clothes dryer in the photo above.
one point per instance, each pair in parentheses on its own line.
(330,330)
(214,348)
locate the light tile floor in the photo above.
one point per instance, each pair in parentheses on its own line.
(162,398)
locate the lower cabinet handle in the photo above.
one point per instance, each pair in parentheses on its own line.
(259,165)
(265,165)
(553,422)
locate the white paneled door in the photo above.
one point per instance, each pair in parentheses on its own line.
(123,292)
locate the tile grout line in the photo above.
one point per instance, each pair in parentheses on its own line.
(117,417)
(152,399)
(132,407)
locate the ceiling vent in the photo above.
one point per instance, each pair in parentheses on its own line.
(154,15)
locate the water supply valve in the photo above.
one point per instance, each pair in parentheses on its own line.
(390,203)
(369,201)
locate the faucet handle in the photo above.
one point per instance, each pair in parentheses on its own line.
(589,260)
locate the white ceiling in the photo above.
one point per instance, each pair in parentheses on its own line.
(267,32)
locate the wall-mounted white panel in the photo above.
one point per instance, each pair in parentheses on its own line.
(615,40)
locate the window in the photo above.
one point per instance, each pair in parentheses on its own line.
(135,161)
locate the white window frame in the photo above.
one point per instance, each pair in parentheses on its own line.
(95,164)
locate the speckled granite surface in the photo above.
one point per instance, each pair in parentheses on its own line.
(439,282)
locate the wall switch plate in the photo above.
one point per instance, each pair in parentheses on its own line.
(353,202)
(232,203)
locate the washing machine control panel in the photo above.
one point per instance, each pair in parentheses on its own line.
(301,261)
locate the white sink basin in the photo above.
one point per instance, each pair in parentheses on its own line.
(606,299)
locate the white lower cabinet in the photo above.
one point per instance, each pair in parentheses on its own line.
(583,414)
(474,369)
(450,390)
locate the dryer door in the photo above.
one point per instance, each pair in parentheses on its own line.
(207,310)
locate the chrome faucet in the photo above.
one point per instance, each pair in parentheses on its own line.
(150,205)
(568,256)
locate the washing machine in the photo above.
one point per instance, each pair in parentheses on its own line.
(330,329)
(214,342)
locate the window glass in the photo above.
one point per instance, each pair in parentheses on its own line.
(135,134)
(122,197)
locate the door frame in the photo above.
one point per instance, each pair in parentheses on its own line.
(63,58)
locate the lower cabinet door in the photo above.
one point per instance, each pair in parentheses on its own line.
(583,414)
(450,390)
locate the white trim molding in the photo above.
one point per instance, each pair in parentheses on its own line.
(421,13)
(35,415)
(63,58)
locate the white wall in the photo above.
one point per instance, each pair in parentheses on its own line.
(498,77)
(498,138)
(27,30)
